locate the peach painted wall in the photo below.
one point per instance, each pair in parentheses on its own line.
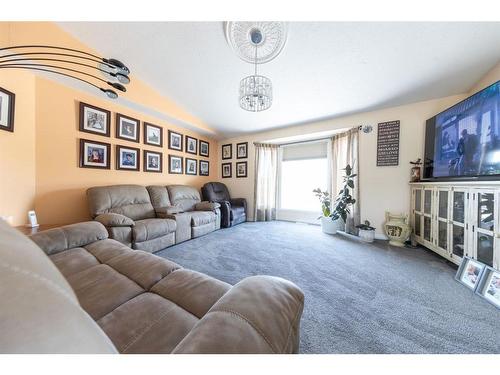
(60,183)
(17,150)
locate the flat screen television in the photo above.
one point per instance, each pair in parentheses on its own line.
(463,142)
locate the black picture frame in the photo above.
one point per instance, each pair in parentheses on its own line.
(241,163)
(192,139)
(146,126)
(83,163)
(201,144)
(230,168)
(118,131)
(82,120)
(170,164)
(245,146)
(224,147)
(200,169)
(193,162)
(172,145)
(9,125)
(146,167)
(120,165)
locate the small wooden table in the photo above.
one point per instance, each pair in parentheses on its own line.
(29,231)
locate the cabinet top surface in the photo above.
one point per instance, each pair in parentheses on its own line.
(458,183)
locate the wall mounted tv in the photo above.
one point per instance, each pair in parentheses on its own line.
(463,142)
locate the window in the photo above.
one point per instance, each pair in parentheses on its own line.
(298,179)
(304,167)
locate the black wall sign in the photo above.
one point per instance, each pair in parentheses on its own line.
(388,144)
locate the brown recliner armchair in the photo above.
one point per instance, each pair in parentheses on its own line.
(233,210)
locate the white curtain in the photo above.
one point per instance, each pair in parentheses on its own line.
(266,181)
(345,151)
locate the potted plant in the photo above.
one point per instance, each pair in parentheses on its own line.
(366,232)
(327,224)
(332,214)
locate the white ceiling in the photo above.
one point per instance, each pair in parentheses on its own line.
(325,69)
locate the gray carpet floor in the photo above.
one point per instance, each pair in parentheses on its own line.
(359,298)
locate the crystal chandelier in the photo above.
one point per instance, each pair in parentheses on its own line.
(256,91)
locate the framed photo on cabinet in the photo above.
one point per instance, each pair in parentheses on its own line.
(94,120)
(153,161)
(153,135)
(204,167)
(204,148)
(242,150)
(191,145)
(191,166)
(127,158)
(227,151)
(7,109)
(227,170)
(94,154)
(127,128)
(174,141)
(175,164)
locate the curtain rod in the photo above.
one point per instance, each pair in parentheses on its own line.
(309,140)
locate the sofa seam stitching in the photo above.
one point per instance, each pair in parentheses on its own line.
(292,326)
(52,285)
(250,323)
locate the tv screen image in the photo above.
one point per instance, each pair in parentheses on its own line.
(467,137)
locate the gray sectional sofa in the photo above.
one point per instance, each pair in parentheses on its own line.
(154,217)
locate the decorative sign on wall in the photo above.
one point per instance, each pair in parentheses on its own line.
(388,144)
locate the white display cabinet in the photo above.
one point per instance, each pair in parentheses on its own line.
(457,219)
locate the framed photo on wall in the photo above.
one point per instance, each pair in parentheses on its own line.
(227,151)
(175,164)
(227,170)
(241,169)
(94,154)
(174,141)
(489,286)
(191,145)
(204,148)
(127,128)
(127,158)
(242,150)
(191,166)
(7,109)
(469,272)
(204,168)
(153,135)
(153,161)
(94,120)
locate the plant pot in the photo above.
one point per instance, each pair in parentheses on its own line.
(328,225)
(367,235)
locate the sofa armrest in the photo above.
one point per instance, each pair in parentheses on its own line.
(168,211)
(260,314)
(206,206)
(55,240)
(242,202)
(225,211)
(114,220)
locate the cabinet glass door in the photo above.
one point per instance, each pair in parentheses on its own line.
(458,223)
(427,215)
(443,227)
(417,212)
(485,227)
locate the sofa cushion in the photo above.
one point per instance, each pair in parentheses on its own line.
(159,196)
(199,218)
(184,196)
(114,220)
(132,201)
(73,261)
(149,229)
(237,212)
(147,323)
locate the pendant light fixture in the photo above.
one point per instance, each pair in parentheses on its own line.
(111,68)
(256,91)
(257,43)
